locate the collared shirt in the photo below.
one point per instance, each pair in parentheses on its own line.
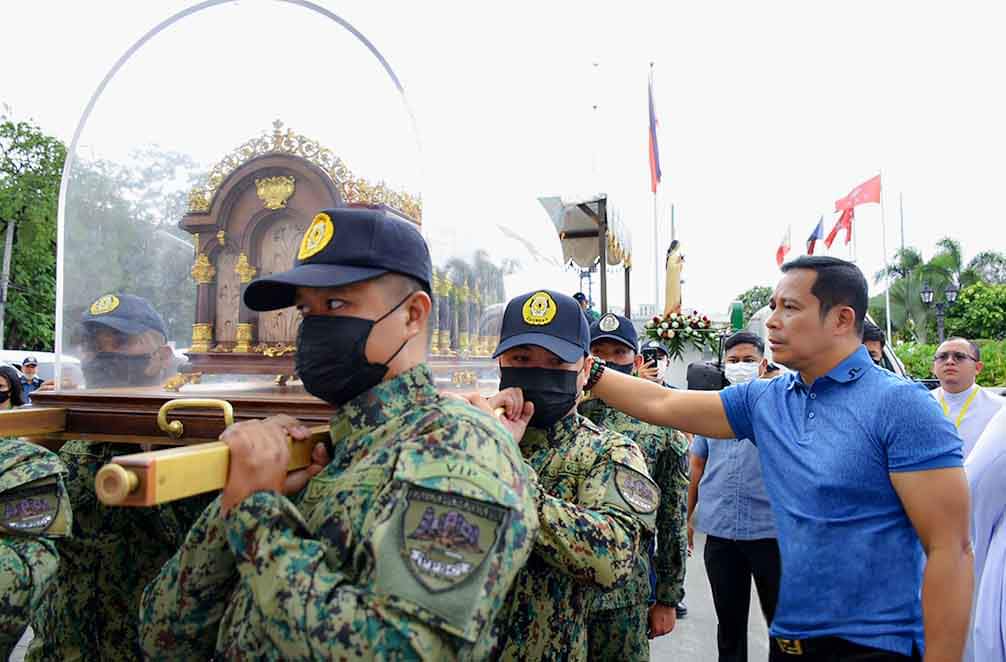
(851,561)
(28,386)
(970,410)
(986,467)
(732,501)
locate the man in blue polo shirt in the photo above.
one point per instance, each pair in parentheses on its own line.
(862,470)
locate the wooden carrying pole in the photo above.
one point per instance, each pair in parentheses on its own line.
(156,477)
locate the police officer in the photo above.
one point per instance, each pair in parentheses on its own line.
(30,381)
(406,544)
(596,500)
(91,611)
(34,513)
(619,619)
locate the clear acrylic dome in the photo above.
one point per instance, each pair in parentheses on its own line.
(198,165)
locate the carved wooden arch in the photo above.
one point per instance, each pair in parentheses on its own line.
(231,232)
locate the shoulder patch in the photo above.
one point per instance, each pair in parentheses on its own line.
(32,509)
(637,490)
(447,537)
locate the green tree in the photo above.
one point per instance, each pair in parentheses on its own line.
(754,300)
(980,312)
(30,167)
(908,314)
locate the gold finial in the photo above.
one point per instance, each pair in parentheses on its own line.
(202,271)
(245,271)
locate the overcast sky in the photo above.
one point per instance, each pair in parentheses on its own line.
(768,113)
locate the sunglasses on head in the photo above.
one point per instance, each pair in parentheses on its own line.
(957,356)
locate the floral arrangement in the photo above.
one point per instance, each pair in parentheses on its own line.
(678,331)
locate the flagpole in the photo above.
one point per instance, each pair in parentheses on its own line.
(656,254)
(887,275)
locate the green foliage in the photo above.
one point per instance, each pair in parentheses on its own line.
(918,361)
(980,312)
(754,300)
(30,167)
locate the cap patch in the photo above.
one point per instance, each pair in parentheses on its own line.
(540,309)
(105,305)
(319,234)
(608,323)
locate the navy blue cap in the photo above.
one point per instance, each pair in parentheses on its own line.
(30,360)
(546,319)
(580,296)
(126,313)
(614,327)
(653,344)
(345,246)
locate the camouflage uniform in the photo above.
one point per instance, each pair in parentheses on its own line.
(596,503)
(619,619)
(91,613)
(34,512)
(404,547)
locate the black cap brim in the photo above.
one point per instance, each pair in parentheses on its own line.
(280,290)
(618,339)
(126,326)
(565,350)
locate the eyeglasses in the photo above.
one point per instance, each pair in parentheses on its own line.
(957,356)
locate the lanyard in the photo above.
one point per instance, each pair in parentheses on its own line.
(964,409)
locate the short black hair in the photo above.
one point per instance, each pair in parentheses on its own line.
(872,332)
(744,338)
(974,347)
(14,379)
(838,283)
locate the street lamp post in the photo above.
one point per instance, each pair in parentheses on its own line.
(949,295)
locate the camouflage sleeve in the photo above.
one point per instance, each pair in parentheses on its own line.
(182,607)
(596,539)
(26,567)
(442,562)
(671,474)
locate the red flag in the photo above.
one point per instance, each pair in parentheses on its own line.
(868,191)
(844,221)
(654,151)
(780,253)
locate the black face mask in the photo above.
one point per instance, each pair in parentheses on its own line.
(4,396)
(553,392)
(331,357)
(624,368)
(114,369)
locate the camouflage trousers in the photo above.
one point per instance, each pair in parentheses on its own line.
(619,635)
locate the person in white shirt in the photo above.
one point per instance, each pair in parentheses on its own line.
(986,470)
(968,406)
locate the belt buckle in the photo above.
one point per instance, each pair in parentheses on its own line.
(790,646)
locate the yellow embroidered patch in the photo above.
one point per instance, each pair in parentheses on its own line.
(105,304)
(540,309)
(319,234)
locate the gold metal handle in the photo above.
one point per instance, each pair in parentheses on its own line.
(175,429)
(114,483)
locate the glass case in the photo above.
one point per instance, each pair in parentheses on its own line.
(197,166)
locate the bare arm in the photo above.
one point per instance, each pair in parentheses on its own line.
(937,504)
(700,412)
(698,468)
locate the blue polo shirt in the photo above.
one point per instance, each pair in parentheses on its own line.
(851,562)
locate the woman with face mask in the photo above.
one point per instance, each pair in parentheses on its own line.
(595,499)
(11,393)
(727,502)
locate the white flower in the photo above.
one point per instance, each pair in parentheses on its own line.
(663,325)
(670,334)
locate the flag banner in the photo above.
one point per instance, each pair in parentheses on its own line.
(815,236)
(654,150)
(844,221)
(784,246)
(868,191)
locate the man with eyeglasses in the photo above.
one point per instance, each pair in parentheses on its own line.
(968,406)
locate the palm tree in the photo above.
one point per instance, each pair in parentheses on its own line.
(906,274)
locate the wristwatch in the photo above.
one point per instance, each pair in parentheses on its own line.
(596,370)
